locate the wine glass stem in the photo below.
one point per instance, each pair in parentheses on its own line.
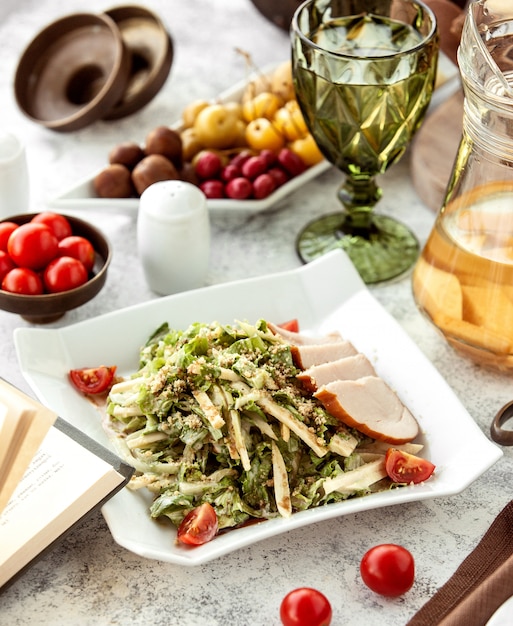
(359,196)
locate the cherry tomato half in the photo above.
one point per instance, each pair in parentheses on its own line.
(292,325)
(198,526)
(388,569)
(93,380)
(403,467)
(6,228)
(24,281)
(32,245)
(57,223)
(64,273)
(305,607)
(79,248)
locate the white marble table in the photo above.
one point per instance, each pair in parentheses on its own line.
(88,579)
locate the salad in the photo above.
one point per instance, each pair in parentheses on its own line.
(215,415)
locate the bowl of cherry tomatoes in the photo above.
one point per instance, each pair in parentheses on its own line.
(50,263)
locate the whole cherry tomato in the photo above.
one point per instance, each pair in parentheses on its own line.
(6,264)
(57,223)
(388,569)
(403,467)
(64,273)
(79,248)
(6,228)
(305,607)
(23,280)
(32,245)
(93,380)
(198,526)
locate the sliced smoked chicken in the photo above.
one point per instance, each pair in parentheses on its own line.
(315,354)
(297,339)
(371,406)
(347,368)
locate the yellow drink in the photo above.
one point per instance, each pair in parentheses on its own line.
(463,280)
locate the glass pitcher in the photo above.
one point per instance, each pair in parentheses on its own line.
(463,280)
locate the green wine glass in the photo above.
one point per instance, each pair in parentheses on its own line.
(364,72)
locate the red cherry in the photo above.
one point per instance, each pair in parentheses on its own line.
(229,172)
(239,188)
(254,166)
(269,156)
(241,158)
(263,186)
(213,189)
(208,165)
(279,175)
(291,162)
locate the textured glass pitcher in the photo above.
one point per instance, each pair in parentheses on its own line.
(463,280)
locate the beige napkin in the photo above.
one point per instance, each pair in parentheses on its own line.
(482,582)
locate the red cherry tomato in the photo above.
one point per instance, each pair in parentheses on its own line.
(93,380)
(64,273)
(403,467)
(6,228)
(292,325)
(6,264)
(198,526)
(305,607)
(23,280)
(57,223)
(32,245)
(388,569)
(79,248)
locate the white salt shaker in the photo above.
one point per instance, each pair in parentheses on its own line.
(14,182)
(173,236)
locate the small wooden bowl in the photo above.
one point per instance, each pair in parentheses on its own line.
(151,55)
(49,307)
(73,72)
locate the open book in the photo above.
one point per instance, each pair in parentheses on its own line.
(51,476)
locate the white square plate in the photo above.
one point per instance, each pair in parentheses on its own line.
(81,195)
(324,295)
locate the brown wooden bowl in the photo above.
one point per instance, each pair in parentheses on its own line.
(46,308)
(73,72)
(150,47)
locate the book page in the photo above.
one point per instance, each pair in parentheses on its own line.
(63,482)
(23,427)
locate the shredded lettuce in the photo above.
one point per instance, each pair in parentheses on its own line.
(211,415)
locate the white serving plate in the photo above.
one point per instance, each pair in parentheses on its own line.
(82,195)
(325,295)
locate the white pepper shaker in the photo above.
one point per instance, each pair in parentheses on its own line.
(173,236)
